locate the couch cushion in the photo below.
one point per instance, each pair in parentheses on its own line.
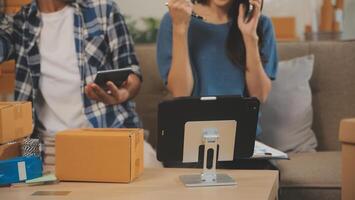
(287,115)
(290,50)
(311,170)
(310,194)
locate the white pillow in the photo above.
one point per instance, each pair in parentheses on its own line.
(287,115)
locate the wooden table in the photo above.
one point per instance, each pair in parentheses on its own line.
(156,184)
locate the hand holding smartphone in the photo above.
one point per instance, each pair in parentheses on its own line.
(109,88)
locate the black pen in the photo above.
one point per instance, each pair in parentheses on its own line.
(193,14)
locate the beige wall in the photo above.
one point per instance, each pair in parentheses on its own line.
(301,9)
(142,8)
(156,8)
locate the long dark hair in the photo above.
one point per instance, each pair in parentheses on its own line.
(235,46)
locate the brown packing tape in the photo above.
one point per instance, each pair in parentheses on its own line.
(18,112)
(107,130)
(140,161)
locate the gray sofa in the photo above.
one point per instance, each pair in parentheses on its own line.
(306,175)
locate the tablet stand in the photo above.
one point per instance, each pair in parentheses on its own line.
(208,176)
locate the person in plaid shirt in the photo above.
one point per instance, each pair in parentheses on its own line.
(59,46)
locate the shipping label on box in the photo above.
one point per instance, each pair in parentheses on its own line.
(15,121)
(99,155)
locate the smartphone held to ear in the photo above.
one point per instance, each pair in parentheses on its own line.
(116,76)
(249,13)
(249,10)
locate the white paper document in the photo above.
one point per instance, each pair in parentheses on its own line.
(262,151)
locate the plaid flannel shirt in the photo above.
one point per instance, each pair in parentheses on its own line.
(102,42)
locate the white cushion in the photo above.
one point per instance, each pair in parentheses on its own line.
(287,115)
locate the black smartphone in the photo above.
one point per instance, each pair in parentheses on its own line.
(250,9)
(117,76)
(249,12)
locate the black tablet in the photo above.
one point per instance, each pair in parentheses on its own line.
(117,76)
(235,117)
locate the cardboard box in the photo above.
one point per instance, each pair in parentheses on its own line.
(8,67)
(285,28)
(99,155)
(15,121)
(11,150)
(12,9)
(16,2)
(7,83)
(327,16)
(347,138)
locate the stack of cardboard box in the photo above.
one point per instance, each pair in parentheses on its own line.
(15,125)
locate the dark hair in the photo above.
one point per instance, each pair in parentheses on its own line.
(235,46)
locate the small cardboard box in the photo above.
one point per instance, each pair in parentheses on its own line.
(15,121)
(99,155)
(11,150)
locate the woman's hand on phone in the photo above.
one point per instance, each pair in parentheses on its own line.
(248,27)
(180,12)
(113,96)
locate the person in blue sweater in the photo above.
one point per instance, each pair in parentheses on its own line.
(220,52)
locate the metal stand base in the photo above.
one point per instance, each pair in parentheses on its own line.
(208,176)
(196,181)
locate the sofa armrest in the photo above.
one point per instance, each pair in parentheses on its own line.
(347,131)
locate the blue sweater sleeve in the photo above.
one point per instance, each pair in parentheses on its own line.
(164,47)
(269,48)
